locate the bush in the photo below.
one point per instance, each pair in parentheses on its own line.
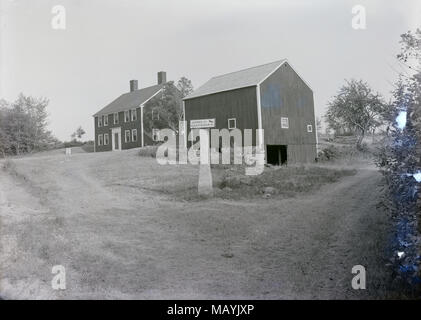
(329,153)
(23,126)
(8,165)
(363,147)
(73,143)
(148,151)
(399,159)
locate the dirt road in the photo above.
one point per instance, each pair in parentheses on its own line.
(117,238)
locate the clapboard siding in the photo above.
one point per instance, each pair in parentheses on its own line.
(124,126)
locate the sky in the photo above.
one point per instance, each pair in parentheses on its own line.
(105,43)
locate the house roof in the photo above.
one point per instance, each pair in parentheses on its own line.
(235,80)
(131,100)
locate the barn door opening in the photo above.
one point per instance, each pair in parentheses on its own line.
(276,154)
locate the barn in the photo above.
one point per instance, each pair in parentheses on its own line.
(272,97)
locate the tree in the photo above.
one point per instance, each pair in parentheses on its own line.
(78,133)
(185,87)
(23,125)
(4,138)
(35,109)
(318,124)
(356,107)
(399,159)
(169,108)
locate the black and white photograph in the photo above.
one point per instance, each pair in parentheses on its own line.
(217,150)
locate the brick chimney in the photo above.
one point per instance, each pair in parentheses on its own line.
(162,77)
(133,85)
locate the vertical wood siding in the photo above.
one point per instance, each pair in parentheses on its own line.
(301,153)
(284,94)
(240,104)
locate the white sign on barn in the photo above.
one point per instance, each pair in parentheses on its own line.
(202,123)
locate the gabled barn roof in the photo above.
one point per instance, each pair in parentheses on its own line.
(131,100)
(235,80)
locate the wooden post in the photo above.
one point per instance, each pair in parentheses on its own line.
(205,175)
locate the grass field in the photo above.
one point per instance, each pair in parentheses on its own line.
(125,227)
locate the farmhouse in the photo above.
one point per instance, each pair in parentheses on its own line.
(130,121)
(272,97)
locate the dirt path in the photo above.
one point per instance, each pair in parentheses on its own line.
(327,233)
(294,248)
(122,242)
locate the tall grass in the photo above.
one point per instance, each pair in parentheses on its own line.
(287,181)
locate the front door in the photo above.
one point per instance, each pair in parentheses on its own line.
(116,137)
(116,141)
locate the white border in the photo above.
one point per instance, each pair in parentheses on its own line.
(235,123)
(259,117)
(141,125)
(287,123)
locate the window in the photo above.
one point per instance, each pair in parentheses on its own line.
(309,128)
(105,120)
(232,123)
(100,140)
(155,134)
(106,139)
(115,118)
(155,114)
(134,135)
(100,121)
(134,115)
(127,116)
(284,123)
(127,136)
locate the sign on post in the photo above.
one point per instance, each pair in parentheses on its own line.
(202,123)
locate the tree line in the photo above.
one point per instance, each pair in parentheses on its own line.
(23,122)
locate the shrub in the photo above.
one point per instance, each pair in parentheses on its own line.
(148,151)
(8,165)
(399,159)
(73,143)
(329,153)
